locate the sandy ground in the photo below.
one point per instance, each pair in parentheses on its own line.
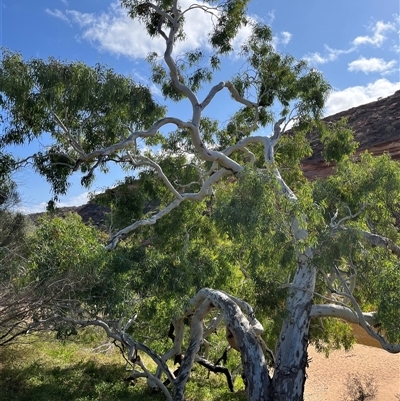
(326,377)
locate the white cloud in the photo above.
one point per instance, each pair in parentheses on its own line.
(115,32)
(285,37)
(330,55)
(155,90)
(357,95)
(241,38)
(379,31)
(317,58)
(79,200)
(379,35)
(368,65)
(28,208)
(65,2)
(57,14)
(270,17)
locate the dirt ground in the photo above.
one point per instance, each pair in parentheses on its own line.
(326,377)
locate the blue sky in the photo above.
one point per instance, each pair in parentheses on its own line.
(355,43)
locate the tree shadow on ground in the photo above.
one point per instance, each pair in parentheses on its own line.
(83,381)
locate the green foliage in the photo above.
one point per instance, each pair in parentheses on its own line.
(292,149)
(232,17)
(370,187)
(368,190)
(246,211)
(388,300)
(8,190)
(178,256)
(13,248)
(330,334)
(82,108)
(338,141)
(33,91)
(281,78)
(63,246)
(127,201)
(67,263)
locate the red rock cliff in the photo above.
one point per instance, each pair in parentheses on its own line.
(376,127)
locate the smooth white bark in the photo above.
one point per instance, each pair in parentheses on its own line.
(341,312)
(254,366)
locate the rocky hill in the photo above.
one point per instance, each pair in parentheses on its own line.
(90,213)
(376,127)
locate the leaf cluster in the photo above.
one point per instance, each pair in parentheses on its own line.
(192,72)
(338,140)
(369,187)
(255,216)
(159,16)
(66,261)
(366,195)
(76,108)
(280,78)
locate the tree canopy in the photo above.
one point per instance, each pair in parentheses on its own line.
(81,109)
(209,204)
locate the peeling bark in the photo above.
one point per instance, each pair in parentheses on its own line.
(254,365)
(291,357)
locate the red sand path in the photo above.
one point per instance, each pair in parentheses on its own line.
(326,377)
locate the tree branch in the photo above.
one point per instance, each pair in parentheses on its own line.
(146,161)
(131,139)
(235,94)
(252,355)
(216,369)
(153,378)
(72,140)
(380,241)
(392,348)
(173,69)
(159,11)
(341,312)
(336,224)
(196,338)
(127,341)
(374,239)
(200,195)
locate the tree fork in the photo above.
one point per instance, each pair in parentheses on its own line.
(258,382)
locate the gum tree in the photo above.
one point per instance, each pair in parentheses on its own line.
(264,206)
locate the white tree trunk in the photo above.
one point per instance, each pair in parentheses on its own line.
(291,355)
